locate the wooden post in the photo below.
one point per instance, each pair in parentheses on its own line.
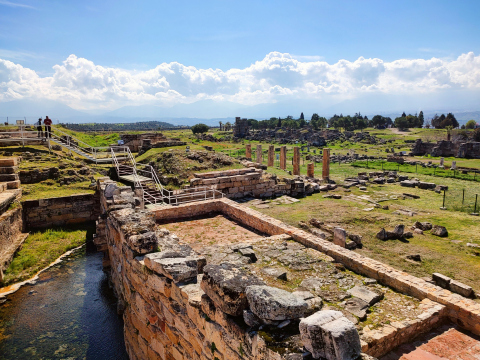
(326,164)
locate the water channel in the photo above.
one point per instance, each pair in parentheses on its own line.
(70,313)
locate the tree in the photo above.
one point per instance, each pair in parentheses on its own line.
(401,122)
(404,115)
(470,124)
(220,123)
(420,118)
(228,126)
(302,117)
(200,128)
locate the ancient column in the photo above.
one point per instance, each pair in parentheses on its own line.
(326,164)
(296,160)
(283,157)
(248,151)
(271,155)
(310,170)
(259,154)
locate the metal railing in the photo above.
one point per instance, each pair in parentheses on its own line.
(175,197)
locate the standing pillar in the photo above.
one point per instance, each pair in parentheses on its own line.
(248,151)
(296,160)
(259,154)
(271,155)
(326,164)
(310,170)
(283,158)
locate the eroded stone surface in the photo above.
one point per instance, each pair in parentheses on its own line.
(365,294)
(225,284)
(271,303)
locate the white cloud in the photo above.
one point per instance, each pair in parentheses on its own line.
(81,84)
(14,4)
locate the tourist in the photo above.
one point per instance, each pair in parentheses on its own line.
(39,128)
(48,127)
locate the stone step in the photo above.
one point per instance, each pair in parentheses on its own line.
(12,161)
(6,198)
(8,177)
(8,169)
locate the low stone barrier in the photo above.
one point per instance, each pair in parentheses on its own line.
(60,211)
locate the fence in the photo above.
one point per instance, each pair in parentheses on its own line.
(465,200)
(463,174)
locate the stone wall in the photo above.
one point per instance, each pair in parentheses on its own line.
(251,181)
(469,150)
(174,307)
(11,237)
(60,211)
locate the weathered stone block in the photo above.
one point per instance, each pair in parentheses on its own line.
(365,294)
(143,243)
(178,269)
(460,288)
(441,280)
(225,284)
(439,230)
(270,303)
(341,340)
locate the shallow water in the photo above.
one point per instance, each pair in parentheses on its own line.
(70,313)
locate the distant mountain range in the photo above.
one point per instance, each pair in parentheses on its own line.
(212,112)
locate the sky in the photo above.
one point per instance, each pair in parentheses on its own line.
(102,56)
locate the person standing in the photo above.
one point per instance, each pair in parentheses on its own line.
(48,127)
(39,128)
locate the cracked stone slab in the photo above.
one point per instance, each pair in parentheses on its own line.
(365,294)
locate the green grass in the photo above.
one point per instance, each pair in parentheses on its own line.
(438,254)
(42,247)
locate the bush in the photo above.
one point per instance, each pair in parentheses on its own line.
(199,128)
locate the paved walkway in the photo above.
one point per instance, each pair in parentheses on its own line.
(446,343)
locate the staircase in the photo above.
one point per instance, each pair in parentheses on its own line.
(147,180)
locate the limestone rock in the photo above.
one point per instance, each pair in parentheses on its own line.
(277,273)
(328,334)
(365,294)
(249,253)
(225,284)
(251,319)
(423,225)
(143,243)
(178,269)
(462,289)
(441,280)
(271,303)
(357,307)
(438,230)
(398,231)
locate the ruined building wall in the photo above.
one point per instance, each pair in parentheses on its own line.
(60,211)
(166,318)
(239,183)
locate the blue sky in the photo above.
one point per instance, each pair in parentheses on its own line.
(139,36)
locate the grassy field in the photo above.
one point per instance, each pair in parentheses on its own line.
(449,256)
(42,247)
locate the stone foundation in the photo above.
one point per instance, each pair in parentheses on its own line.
(60,211)
(171,310)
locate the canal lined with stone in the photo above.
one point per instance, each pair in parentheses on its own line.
(70,313)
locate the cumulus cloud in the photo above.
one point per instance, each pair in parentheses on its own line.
(82,84)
